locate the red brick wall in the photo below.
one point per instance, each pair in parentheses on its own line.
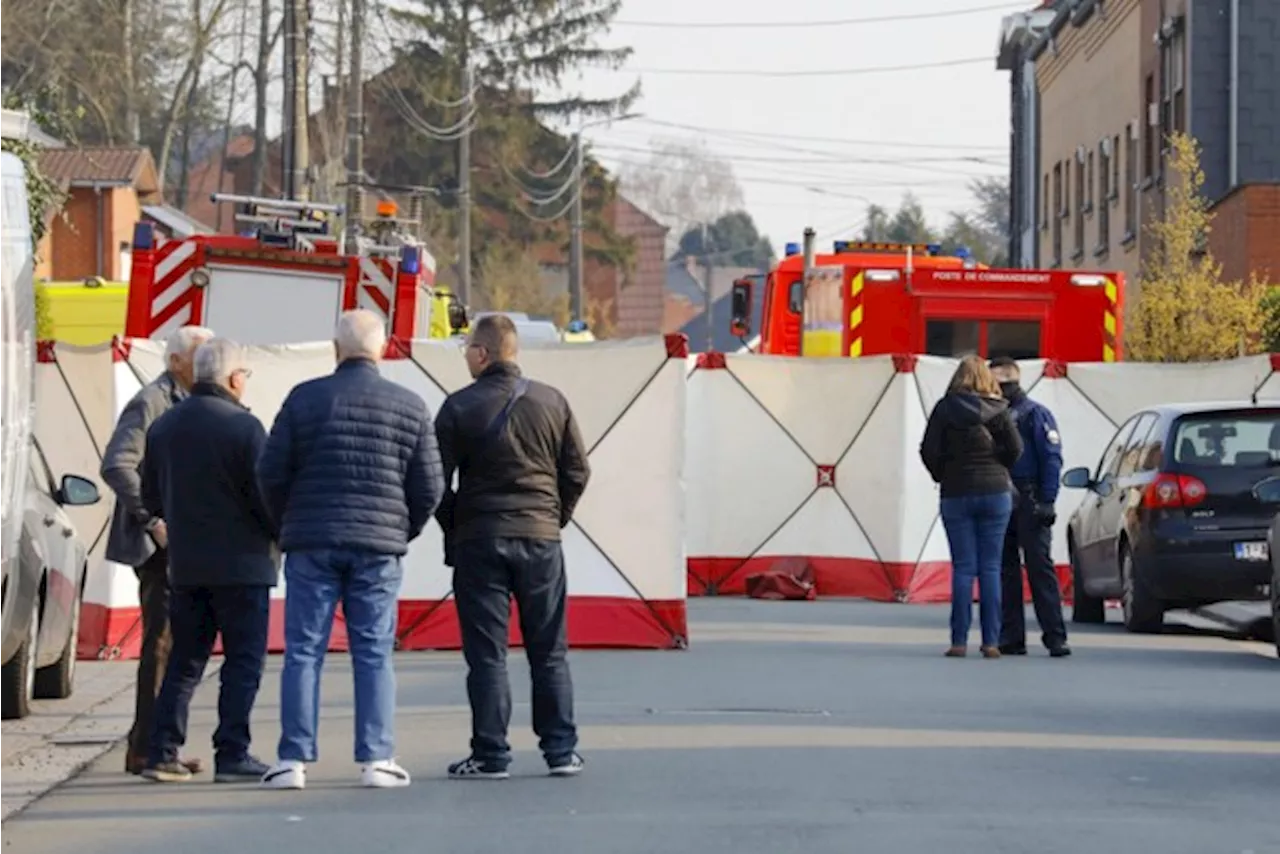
(1246,233)
(641,289)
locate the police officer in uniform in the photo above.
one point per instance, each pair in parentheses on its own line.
(1029,539)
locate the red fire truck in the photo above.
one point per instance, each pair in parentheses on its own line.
(867,299)
(284,279)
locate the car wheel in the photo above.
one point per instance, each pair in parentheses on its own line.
(1084,608)
(1143,612)
(58,680)
(17,681)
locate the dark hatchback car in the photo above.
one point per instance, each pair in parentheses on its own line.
(1178,513)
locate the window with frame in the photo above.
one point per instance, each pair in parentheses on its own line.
(1081,190)
(1178,73)
(1044,205)
(1111,456)
(1131,458)
(1088,201)
(1057,213)
(1104,194)
(1149,150)
(1114,194)
(1130,187)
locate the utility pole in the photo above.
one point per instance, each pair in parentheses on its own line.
(809,236)
(296,97)
(355,126)
(707,301)
(464,185)
(577,303)
(286,104)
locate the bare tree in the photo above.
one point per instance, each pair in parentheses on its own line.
(682,184)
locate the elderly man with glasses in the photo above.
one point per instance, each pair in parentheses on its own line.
(199,477)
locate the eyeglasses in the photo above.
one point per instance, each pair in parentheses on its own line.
(245,372)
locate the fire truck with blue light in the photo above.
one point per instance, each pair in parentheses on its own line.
(872,298)
(285,277)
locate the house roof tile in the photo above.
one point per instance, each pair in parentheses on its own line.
(131,166)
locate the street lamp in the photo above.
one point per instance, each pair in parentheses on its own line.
(577,304)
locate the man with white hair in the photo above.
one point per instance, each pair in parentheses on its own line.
(139,539)
(198,474)
(352,474)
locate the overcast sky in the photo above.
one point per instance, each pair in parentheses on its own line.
(914,125)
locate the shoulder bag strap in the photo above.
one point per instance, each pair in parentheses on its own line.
(500,420)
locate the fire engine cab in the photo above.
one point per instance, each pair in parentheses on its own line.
(284,279)
(867,299)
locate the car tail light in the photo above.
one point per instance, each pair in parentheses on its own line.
(1171,491)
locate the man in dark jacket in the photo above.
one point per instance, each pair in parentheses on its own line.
(521,469)
(138,538)
(1030,534)
(352,473)
(198,476)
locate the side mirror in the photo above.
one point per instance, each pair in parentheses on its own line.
(740,321)
(77,491)
(1077,478)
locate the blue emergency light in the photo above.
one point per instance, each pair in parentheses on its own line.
(410,260)
(963,252)
(840,246)
(791,249)
(144,236)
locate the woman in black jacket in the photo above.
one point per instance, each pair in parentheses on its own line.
(969,446)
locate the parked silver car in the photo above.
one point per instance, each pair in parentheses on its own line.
(43,590)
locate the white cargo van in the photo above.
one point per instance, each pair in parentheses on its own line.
(17,412)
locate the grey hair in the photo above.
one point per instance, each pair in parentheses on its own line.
(361,334)
(186,339)
(217,359)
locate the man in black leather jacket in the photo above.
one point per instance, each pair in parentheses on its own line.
(521,468)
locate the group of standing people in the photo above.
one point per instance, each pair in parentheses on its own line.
(997,457)
(351,472)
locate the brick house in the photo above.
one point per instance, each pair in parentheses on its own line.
(1099,84)
(106,189)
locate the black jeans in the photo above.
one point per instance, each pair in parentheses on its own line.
(153,599)
(1029,540)
(197,616)
(487,574)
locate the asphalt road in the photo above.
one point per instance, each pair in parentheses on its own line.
(787,727)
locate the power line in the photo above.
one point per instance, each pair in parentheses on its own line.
(819,139)
(801,182)
(832,159)
(838,22)
(824,72)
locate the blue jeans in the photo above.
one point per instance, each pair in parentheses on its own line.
(368,586)
(488,574)
(197,615)
(976,526)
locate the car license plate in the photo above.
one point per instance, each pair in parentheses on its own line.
(1252,551)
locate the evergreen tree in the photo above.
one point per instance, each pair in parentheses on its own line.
(517,52)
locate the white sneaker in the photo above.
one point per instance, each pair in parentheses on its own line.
(286,774)
(383,774)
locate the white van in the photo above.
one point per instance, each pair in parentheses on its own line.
(17,364)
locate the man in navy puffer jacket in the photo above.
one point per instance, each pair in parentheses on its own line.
(351,473)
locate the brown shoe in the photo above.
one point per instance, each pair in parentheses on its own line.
(990,652)
(135,765)
(956,652)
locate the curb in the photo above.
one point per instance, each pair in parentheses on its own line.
(62,754)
